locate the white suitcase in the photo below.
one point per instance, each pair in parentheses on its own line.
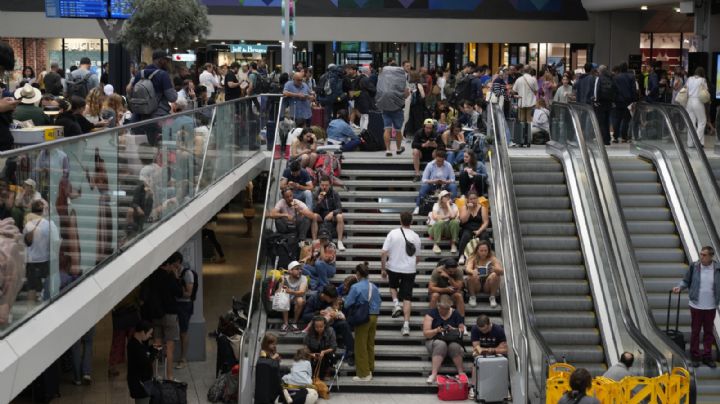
(491,379)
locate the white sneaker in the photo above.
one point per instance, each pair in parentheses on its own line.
(416,210)
(397,311)
(453,250)
(340,246)
(436,249)
(430,379)
(493,302)
(472,301)
(471,393)
(461,261)
(362,379)
(405,331)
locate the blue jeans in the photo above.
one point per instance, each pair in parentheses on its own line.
(82,355)
(319,274)
(455,157)
(428,188)
(305,196)
(350,145)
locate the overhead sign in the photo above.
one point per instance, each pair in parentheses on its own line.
(76,8)
(246,48)
(184,57)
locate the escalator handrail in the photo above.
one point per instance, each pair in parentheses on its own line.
(621,236)
(688,169)
(631,327)
(522,284)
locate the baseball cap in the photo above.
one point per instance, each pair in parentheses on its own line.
(30,182)
(450,263)
(296,264)
(108,89)
(444,192)
(429,121)
(160,54)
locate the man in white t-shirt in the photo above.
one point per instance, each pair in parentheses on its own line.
(401,267)
(207,78)
(295,284)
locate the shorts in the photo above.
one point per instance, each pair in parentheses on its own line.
(404,283)
(35,273)
(393,119)
(185,311)
(426,154)
(166,328)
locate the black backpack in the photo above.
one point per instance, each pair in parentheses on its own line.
(78,86)
(263,84)
(463,90)
(195,282)
(368,142)
(606,89)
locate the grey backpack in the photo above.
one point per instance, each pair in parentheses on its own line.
(143,99)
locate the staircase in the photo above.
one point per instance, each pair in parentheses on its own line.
(561,295)
(659,251)
(378,188)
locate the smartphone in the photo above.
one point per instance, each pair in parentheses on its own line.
(482,271)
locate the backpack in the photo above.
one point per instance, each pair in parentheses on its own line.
(195,282)
(606,90)
(143,99)
(371,143)
(324,88)
(462,90)
(329,165)
(78,86)
(263,84)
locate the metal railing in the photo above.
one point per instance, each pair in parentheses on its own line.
(106,190)
(531,353)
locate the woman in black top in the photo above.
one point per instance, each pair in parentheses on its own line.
(474,222)
(139,365)
(321,341)
(67,119)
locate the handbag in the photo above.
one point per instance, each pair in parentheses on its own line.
(410,249)
(281,301)
(359,313)
(704,95)
(322,389)
(450,335)
(682,97)
(452,388)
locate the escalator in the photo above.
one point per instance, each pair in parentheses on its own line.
(560,290)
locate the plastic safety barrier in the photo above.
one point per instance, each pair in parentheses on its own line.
(672,388)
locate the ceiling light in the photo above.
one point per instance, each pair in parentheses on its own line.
(222,43)
(258,44)
(643,8)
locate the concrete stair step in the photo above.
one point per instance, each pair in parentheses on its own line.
(403,184)
(365,206)
(380,228)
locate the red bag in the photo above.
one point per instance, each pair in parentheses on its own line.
(318,117)
(452,388)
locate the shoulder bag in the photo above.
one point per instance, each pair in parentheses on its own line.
(682,97)
(359,313)
(704,94)
(410,249)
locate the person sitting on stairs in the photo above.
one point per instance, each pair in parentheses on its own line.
(438,174)
(483,272)
(439,325)
(328,211)
(443,222)
(291,215)
(447,280)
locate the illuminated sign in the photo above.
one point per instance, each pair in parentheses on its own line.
(245,48)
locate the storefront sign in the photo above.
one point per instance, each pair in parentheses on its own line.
(184,57)
(245,48)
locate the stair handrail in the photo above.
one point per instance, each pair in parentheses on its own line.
(619,237)
(257,320)
(609,266)
(516,279)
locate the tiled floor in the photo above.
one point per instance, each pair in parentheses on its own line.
(222,282)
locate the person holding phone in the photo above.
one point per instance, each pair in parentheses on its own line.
(483,272)
(447,279)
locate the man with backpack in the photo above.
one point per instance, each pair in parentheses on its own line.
(159,294)
(81,81)
(151,92)
(604,93)
(463,86)
(332,95)
(185,306)
(362,91)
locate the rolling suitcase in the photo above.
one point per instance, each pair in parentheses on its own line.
(675,335)
(491,378)
(318,117)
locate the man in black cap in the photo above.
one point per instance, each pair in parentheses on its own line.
(165,92)
(447,279)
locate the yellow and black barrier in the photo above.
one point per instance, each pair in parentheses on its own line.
(670,388)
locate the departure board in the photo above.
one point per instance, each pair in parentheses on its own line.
(76,8)
(120,9)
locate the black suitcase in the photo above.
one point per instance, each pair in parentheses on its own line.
(675,335)
(373,138)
